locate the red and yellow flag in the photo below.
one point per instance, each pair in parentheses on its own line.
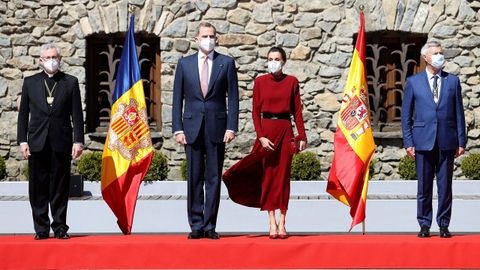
(128,148)
(353,141)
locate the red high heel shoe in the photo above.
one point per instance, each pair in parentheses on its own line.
(273,235)
(283,235)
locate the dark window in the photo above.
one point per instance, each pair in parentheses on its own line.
(103,57)
(391,58)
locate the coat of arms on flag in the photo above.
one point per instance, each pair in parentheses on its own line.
(355,114)
(129,130)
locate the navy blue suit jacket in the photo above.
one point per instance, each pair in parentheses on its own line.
(190,108)
(423,121)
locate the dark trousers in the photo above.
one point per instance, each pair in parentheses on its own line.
(49,185)
(428,164)
(204,172)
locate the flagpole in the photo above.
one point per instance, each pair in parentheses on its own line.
(353,137)
(131,12)
(362,7)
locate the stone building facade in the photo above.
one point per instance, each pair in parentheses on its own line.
(318,36)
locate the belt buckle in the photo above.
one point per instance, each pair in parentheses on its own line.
(274,118)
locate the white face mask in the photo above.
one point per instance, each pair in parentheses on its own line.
(50,66)
(207,44)
(274,66)
(438,61)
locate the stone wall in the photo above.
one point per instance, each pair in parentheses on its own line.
(317,35)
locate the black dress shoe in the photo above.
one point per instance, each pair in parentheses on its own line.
(212,234)
(62,235)
(41,236)
(424,232)
(445,233)
(196,234)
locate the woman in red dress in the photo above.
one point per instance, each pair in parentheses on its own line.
(262,178)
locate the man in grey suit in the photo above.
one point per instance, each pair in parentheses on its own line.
(203,122)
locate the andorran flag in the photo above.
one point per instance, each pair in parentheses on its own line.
(353,140)
(128,148)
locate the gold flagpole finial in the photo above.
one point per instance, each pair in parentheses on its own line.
(131,8)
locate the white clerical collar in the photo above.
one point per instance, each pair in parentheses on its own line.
(50,75)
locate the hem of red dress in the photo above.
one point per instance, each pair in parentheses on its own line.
(278,208)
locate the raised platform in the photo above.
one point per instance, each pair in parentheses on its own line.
(161,208)
(240,252)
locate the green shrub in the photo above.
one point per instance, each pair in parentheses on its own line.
(183,169)
(158,169)
(3,168)
(305,166)
(471,166)
(406,168)
(26,171)
(90,166)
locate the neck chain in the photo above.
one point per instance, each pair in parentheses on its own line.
(50,92)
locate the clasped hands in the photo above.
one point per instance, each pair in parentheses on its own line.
(269,145)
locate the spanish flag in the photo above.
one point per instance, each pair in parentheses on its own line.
(353,141)
(128,148)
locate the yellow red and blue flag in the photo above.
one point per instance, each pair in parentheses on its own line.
(128,148)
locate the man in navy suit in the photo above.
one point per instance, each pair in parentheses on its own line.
(433,125)
(203,122)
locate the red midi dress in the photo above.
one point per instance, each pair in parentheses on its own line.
(262,178)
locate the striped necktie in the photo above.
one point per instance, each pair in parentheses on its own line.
(435,88)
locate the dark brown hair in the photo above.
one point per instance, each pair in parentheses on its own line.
(279,50)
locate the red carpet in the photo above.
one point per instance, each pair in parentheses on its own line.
(251,251)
